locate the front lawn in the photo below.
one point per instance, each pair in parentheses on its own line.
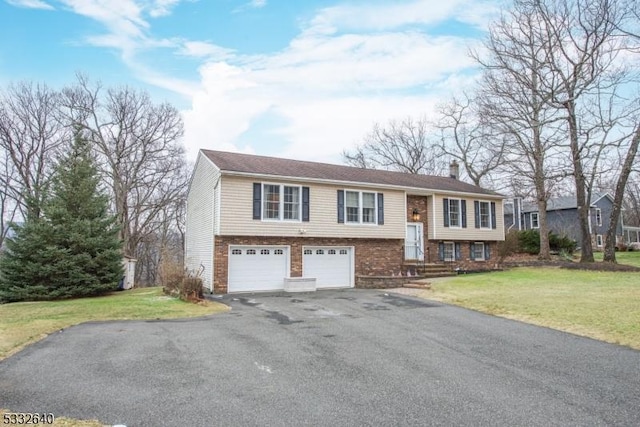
(629,258)
(601,305)
(23,323)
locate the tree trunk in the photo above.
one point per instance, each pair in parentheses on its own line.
(621,185)
(586,248)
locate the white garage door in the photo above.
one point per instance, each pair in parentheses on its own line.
(331,266)
(257,268)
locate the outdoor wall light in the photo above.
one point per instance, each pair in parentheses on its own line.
(415,215)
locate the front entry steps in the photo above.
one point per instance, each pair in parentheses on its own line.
(427,270)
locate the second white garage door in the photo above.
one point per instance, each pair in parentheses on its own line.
(257,268)
(331,266)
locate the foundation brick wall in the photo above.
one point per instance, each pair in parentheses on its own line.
(373,257)
(465,262)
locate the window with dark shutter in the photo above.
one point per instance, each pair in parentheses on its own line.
(476,208)
(441,251)
(472,248)
(341,206)
(457,249)
(257,200)
(463,212)
(445,210)
(305,204)
(487,251)
(493,215)
(380,209)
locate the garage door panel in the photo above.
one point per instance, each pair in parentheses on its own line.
(331,266)
(257,268)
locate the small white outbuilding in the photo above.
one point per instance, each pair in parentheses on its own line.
(129,266)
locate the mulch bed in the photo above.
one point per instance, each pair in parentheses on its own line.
(522,260)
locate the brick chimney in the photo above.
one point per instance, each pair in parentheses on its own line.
(454,170)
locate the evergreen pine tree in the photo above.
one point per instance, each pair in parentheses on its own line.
(72,250)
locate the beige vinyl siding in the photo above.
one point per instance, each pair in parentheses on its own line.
(236,217)
(470,232)
(200,221)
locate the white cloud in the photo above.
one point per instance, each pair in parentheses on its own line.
(159,8)
(253,4)
(31,4)
(199,49)
(328,90)
(393,15)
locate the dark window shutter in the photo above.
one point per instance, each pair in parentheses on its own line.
(458,255)
(463,212)
(305,204)
(476,208)
(257,200)
(445,209)
(341,206)
(471,248)
(380,209)
(487,251)
(493,215)
(441,251)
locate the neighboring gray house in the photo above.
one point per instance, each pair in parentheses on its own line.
(562,218)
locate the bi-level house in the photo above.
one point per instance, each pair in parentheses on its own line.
(254,222)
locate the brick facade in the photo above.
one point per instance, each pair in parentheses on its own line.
(431,246)
(373,257)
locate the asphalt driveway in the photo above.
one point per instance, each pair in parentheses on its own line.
(334,358)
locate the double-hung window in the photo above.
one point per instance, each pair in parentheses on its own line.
(281,202)
(534,220)
(478,251)
(291,206)
(360,207)
(454,213)
(485,214)
(598,217)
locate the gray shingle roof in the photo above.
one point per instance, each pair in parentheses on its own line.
(558,203)
(273,166)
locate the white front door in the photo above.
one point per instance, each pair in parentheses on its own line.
(413,245)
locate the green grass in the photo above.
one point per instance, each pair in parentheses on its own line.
(629,258)
(601,305)
(26,322)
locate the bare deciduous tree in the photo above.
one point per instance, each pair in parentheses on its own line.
(582,58)
(512,99)
(30,135)
(139,154)
(401,146)
(469,138)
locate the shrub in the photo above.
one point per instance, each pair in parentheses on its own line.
(562,244)
(177,283)
(510,245)
(170,275)
(529,241)
(191,289)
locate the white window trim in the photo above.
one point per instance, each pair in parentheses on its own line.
(598,217)
(361,208)
(459,214)
(490,227)
(281,203)
(537,220)
(599,241)
(474,247)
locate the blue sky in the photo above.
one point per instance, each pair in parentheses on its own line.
(298,79)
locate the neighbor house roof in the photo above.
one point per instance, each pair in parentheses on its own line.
(561,203)
(273,166)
